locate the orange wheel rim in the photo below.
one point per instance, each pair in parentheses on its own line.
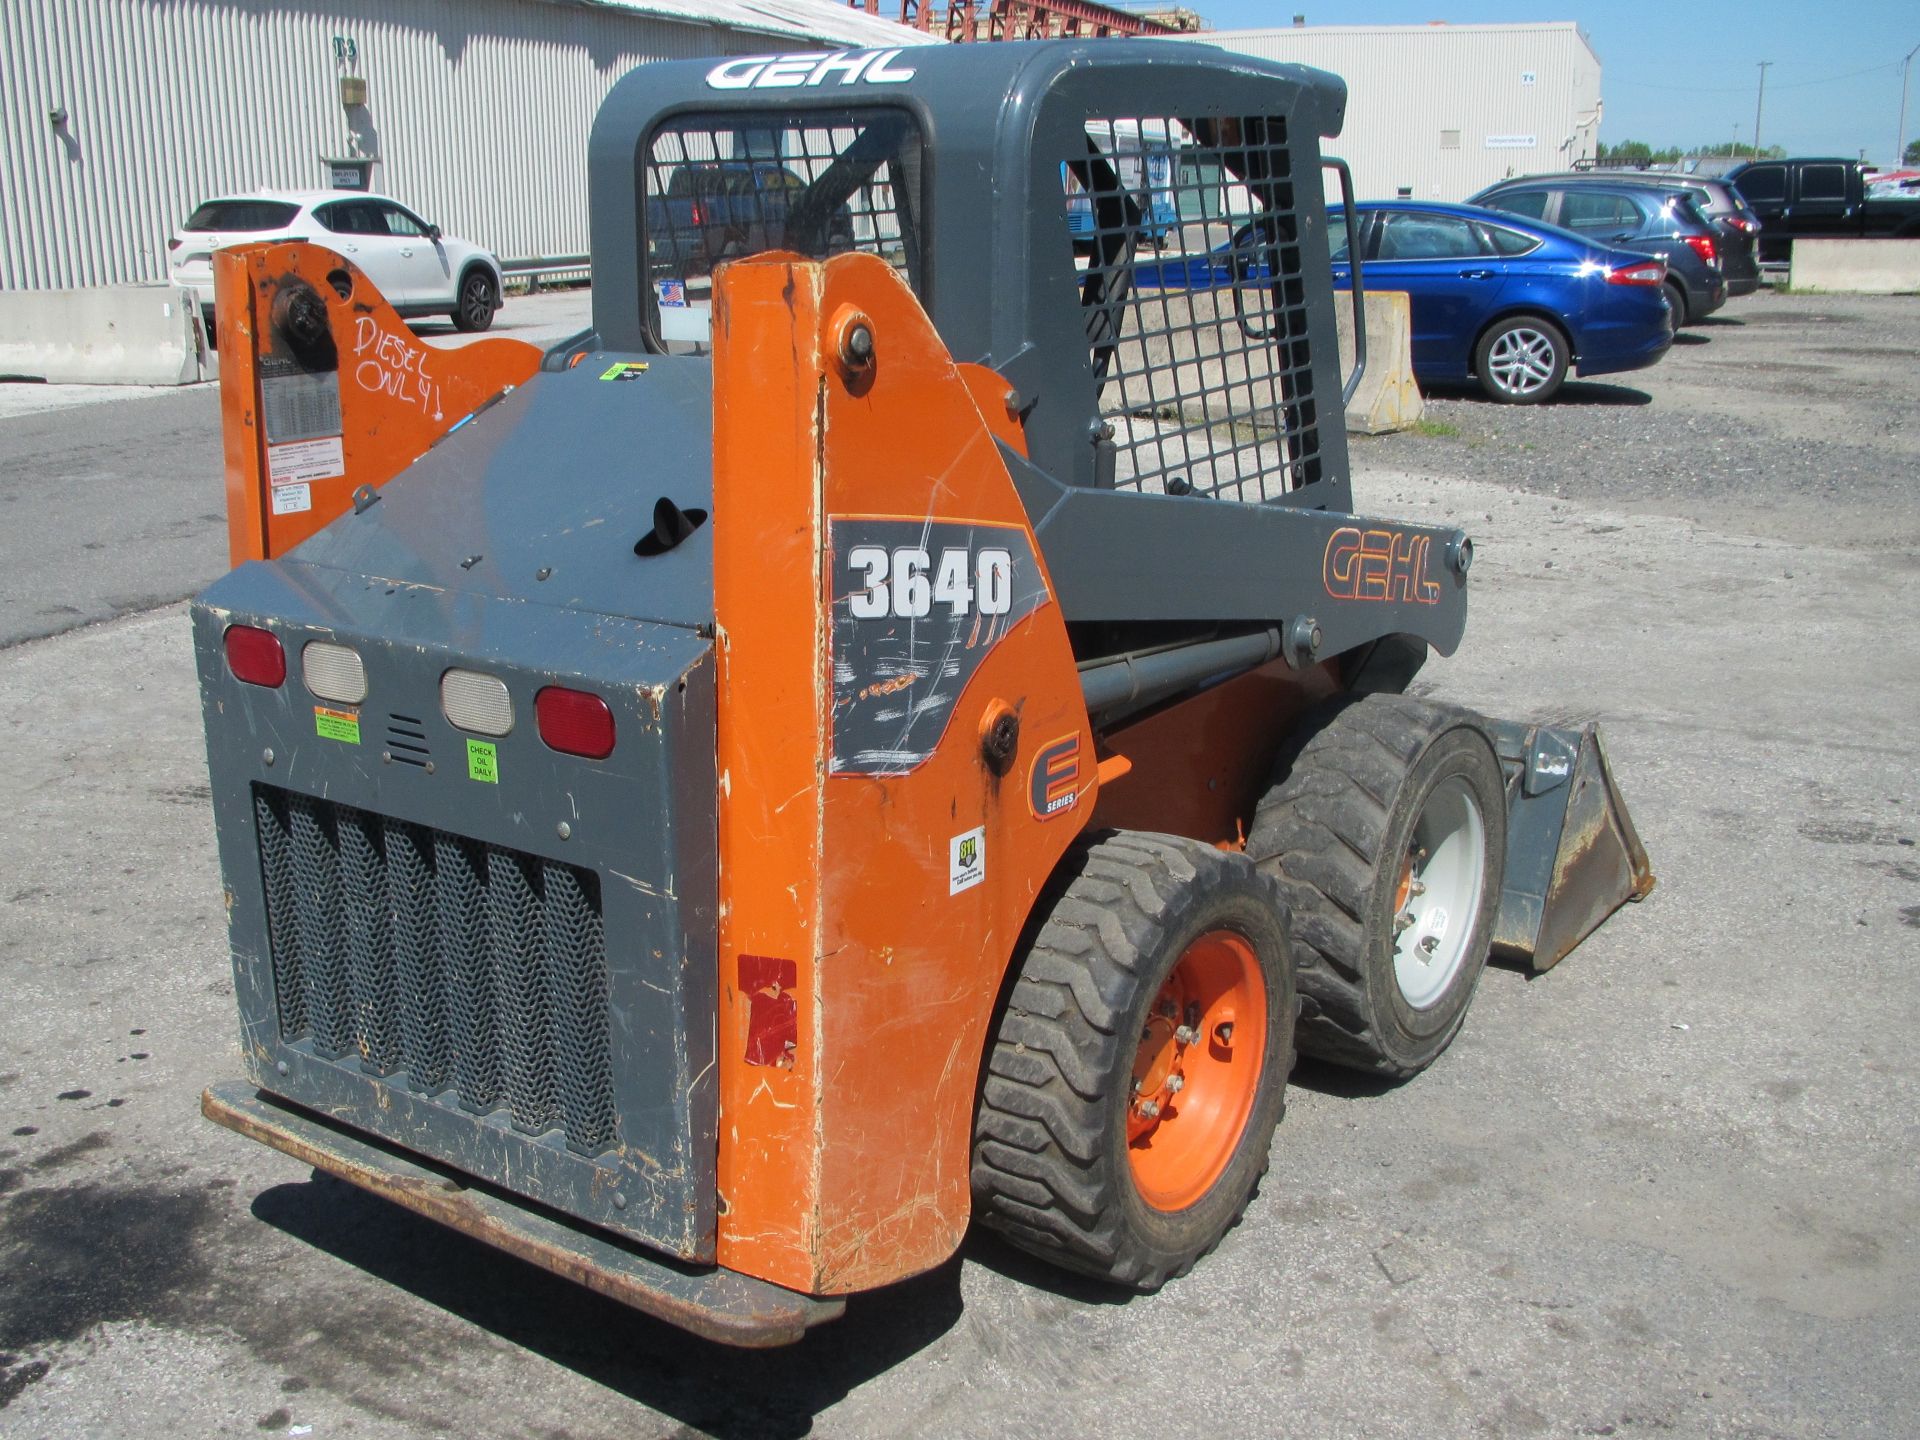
(1196,1074)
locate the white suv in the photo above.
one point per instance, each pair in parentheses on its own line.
(417,269)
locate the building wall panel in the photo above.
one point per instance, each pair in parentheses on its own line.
(1409,85)
(479,111)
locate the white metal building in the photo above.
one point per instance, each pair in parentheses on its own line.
(117,117)
(1437,111)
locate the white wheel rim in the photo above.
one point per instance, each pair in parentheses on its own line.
(1522,360)
(1447,866)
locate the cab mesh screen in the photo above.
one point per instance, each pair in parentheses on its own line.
(1187,238)
(719,187)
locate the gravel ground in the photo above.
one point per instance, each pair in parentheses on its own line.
(1666,1189)
(1787,416)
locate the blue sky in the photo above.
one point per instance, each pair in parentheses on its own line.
(1685,73)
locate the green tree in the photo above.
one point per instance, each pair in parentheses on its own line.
(1912,154)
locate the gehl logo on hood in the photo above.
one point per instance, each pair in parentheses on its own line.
(794,72)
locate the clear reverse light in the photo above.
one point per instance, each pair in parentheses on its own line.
(476,702)
(334,672)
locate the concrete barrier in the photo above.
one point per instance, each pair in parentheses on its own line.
(110,335)
(1387,399)
(1857,267)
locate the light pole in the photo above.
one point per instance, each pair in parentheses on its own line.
(1900,140)
(1758,102)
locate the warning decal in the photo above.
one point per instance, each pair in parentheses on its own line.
(341,725)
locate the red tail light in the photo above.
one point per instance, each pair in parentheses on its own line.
(574,722)
(699,216)
(1702,245)
(256,656)
(1647,272)
(1744,225)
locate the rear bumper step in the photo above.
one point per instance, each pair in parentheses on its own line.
(717,1304)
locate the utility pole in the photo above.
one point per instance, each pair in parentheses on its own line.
(1762,100)
(1900,140)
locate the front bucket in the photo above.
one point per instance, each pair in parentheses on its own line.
(1573,857)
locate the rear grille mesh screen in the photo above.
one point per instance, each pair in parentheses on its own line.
(1193,293)
(476,973)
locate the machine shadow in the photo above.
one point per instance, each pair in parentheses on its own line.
(990,1252)
(1324,1078)
(1573,392)
(715,1389)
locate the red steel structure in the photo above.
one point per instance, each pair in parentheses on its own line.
(1022,19)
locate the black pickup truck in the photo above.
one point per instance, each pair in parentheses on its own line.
(1821,197)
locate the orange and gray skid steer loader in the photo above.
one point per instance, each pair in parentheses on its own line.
(896,725)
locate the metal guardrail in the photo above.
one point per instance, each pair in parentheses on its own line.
(532,270)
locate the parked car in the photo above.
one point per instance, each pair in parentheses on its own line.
(716,210)
(1824,198)
(1632,216)
(1513,304)
(418,269)
(1736,228)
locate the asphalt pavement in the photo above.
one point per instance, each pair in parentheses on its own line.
(111,497)
(1667,1188)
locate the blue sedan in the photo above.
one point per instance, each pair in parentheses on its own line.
(1511,303)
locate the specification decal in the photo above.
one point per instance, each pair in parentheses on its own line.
(320,459)
(917,605)
(292,499)
(483,762)
(341,725)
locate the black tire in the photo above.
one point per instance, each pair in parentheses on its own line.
(1522,360)
(1052,1169)
(479,297)
(1677,298)
(1337,829)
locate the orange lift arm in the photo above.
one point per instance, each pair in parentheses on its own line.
(870,901)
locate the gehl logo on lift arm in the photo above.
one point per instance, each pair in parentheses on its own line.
(1378,565)
(793,72)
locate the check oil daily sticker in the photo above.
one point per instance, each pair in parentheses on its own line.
(341,725)
(483,762)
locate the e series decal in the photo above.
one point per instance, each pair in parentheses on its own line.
(917,605)
(1053,780)
(1378,565)
(792,72)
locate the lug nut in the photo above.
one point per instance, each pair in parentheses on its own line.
(1150,1109)
(1175,1084)
(1186,1035)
